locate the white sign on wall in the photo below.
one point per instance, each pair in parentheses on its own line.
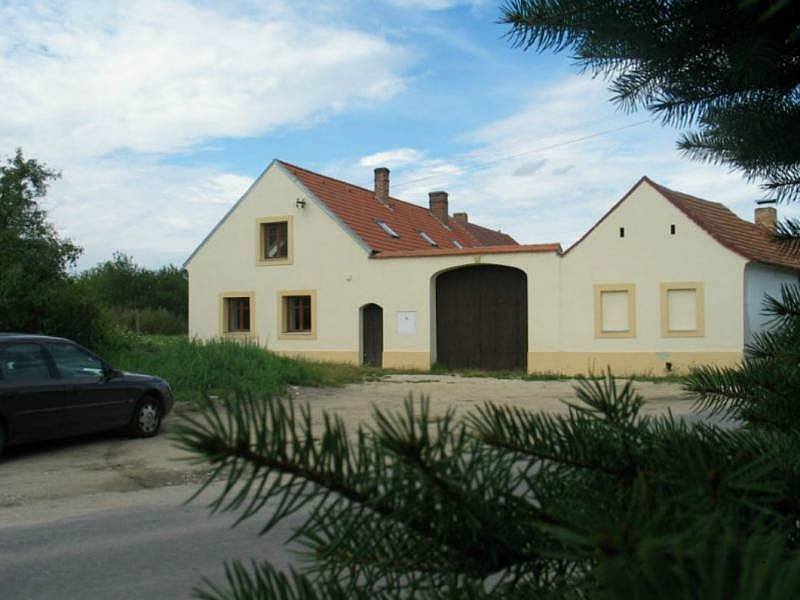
(406,322)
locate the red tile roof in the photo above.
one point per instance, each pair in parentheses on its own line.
(490,237)
(509,249)
(747,239)
(359,210)
(742,237)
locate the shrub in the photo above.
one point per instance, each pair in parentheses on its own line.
(194,367)
(149,321)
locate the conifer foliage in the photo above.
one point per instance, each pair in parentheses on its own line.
(604,501)
(728,70)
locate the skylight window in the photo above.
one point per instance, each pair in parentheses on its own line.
(427,238)
(457,244)
(388,229)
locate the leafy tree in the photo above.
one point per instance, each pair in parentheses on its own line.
(121,283)
(729,68)
(140,299)
(36,293)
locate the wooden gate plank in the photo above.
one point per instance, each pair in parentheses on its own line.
(481,318)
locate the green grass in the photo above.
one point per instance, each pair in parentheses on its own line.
(192,367)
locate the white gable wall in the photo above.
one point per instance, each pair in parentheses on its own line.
(561,300)
(647,257)
(327,260)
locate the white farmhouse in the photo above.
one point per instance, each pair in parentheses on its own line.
(308,265)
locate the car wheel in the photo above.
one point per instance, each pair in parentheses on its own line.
(146,421)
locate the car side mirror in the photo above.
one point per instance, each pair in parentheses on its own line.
(110,372)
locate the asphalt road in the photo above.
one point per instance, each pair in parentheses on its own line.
(153,548)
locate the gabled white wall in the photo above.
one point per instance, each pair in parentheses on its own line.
(561,333)
(647,257)
(328,260)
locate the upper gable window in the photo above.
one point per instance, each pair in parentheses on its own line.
(388,229)
(274,241)
(427,238)
(457,244)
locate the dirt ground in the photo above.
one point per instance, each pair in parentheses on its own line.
(73,477)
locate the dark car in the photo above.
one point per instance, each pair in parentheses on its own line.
(52,388)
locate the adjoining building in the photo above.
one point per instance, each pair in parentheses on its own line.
(308,265)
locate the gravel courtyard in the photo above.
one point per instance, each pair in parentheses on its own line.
(74,477)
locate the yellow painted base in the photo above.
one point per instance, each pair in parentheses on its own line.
(626,363)
(399,359)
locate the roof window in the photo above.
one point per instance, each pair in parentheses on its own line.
(388,229)
(427,238)
(457,244)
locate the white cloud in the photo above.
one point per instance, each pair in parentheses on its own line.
(544,175)
(104,90)
(156,213)
(398,157)
(87,78)
(433,4)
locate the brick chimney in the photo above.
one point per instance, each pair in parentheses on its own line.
(382,184)
(438,205)
(461,218)
(767,216)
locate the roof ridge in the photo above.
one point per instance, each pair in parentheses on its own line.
(465,230)
(696,199)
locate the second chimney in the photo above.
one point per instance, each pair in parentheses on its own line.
(461,218)
(767,217)
(438,205)
(382,184)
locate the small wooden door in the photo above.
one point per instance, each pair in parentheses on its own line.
(372,335)
(482,318)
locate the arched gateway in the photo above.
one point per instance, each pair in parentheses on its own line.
(482,318)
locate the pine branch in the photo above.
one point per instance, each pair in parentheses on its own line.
(784,311)
(788,232)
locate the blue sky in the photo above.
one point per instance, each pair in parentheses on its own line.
(161,112)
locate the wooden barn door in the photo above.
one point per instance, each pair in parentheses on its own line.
(372,331)
(482,318)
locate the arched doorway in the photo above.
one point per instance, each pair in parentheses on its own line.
(372,335)
(482,318)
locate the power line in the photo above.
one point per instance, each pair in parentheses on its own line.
(404,184)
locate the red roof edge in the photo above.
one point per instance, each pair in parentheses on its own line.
(642,179)
(509,249)
(667,193)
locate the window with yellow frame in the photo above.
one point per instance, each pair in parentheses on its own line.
(682,309)
(615,310)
